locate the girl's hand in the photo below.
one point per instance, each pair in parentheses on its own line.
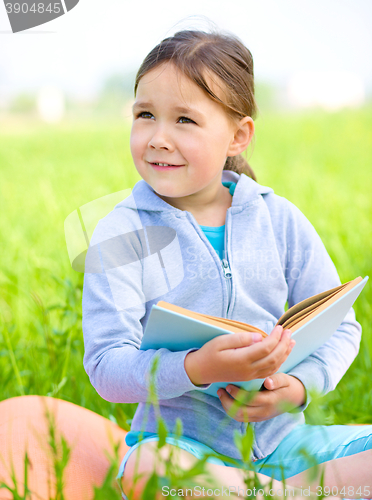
(242,356)
(284,393)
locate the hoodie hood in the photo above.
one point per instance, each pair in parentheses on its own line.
(143,196)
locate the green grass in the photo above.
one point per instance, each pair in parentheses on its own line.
(321,162)
(46,173)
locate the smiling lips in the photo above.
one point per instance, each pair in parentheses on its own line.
(164,166)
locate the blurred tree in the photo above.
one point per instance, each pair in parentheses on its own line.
(115,92)
(269,96)
(23,103)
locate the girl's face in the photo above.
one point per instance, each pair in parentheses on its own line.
(174,122)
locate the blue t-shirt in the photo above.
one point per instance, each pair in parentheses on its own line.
(216,237)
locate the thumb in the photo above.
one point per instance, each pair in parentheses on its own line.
(276,381)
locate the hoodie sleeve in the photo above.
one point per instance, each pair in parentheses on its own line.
(113,306)
(309,270)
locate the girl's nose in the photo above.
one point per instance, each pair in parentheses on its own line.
(160,140)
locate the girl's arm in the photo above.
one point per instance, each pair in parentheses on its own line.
(117,369)
(113,306)
(309,270)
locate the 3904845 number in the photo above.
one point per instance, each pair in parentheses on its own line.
(36,8)
(346,491)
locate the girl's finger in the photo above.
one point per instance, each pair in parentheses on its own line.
(240,394)
(245,413)
(269,383)
(276,357)
(288,352)
(250,399)
(227,403)
(276,381)
(228,400)
(238,340)
(259,350)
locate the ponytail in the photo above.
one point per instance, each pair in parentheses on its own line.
(239,165)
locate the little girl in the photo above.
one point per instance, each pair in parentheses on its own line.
(240,252)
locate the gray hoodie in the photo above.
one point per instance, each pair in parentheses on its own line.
(274,255)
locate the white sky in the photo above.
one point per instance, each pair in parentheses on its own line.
(100,37)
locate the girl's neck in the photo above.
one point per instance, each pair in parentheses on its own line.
(212,214)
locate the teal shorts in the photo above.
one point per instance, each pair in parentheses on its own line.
(302,448)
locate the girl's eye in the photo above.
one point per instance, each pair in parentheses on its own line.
(140,115)
(185,118)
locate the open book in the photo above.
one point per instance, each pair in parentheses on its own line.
(312,322)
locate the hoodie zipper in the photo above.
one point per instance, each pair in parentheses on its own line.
(224,262)
(228,276)
(226,266)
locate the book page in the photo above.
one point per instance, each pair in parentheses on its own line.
(239,324)
(307,302)
(327,303)
(302,314)
(231,325)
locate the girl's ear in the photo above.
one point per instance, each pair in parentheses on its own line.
(243,134)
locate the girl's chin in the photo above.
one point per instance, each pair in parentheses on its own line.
(168,196)
(166,191)
(165,195)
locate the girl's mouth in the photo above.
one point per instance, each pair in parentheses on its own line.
(165,166)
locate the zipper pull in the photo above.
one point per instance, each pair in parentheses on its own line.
(226,269)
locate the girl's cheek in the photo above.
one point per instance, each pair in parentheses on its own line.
(134,143)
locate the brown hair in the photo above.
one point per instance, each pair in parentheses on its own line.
(194,52)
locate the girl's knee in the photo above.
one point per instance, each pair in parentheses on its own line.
(138,469)
(145,460)
(26,427)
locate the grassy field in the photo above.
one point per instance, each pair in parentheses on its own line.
(321,162)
